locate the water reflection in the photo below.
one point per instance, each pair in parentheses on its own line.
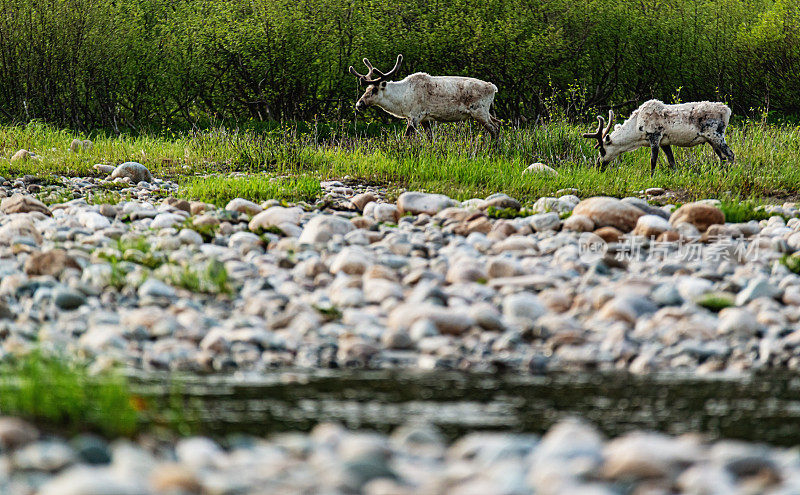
(758,407)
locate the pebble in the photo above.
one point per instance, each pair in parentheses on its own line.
(759,287)
(543,222)
(447,285)
(609,212)
(523,308)
(699,214)
(68,299)
(134,171)
(418,202)
(20,203)
(156,289)
(242,205)
(322,228)
(21,155)
(540,169)
(651,226)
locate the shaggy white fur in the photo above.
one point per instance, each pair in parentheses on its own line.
(421,98)
(656,124)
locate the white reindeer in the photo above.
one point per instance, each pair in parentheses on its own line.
(421,98)
(656,124)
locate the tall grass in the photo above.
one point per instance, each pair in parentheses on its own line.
(286,162)
(61,393)
(220,190)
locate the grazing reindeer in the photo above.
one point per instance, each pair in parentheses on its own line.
(656,124)
(421,98)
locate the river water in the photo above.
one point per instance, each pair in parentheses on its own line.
(763,407)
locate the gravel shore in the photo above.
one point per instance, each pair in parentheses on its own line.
(572,458)
(428,282)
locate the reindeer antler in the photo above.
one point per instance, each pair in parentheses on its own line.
(381,76)
(600,134)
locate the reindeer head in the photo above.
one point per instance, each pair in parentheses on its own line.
(375,85)
(607,148)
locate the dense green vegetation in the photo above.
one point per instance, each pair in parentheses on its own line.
(123,64)
(63,394)
(221,189)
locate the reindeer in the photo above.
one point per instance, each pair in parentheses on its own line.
(421,98)
(656,124)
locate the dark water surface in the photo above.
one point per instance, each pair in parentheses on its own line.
(762,407)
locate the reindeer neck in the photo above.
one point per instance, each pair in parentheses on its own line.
(626,130)
(396,97)
(627,134)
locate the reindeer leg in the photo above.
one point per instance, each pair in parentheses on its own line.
(427,126)
(727,151)
(654,140)
(717,147)
(489,126)
(483,116)
(670,157)
(411,128)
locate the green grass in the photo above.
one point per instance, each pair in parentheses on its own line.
(60,393)
(716,301)
(208,278)
(219,190)
(792,262)
(743,211)
(132,249)
(287,164)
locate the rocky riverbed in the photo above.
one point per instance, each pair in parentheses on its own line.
(154,282)
(572,458)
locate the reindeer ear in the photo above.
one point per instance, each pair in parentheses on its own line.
(383,84)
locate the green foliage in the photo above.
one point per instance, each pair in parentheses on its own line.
(133,250)
(716,301)
(118,276)
(129,63)
(219,190)
(330,313)
(56,197)
(456,162)
(495,212)
(207,232)
(62,393)
(209,278)
(791,262)
(743,211)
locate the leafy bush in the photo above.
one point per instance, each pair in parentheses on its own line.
(128,63)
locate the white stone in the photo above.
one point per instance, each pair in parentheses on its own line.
(93,220)
(166,220)
(322,228)
(540,169)
(243,206)
(419,202)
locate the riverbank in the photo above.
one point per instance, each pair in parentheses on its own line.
(146,280)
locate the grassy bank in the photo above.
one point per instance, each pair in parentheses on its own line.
(62,394)
(286,163)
